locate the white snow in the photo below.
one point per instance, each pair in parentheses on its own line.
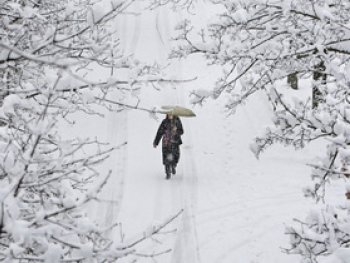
(241,15)
(343,254)
(235,206)
(53,254)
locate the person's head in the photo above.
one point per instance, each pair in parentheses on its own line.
(170,116)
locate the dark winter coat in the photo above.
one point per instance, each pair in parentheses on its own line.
(170,132)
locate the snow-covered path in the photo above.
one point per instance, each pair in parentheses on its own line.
(148,198)
(234,206)
(147,195)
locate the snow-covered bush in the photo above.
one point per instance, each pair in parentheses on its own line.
(47,49)
(265,46)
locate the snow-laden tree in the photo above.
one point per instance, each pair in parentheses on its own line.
(47,49)
(267,46)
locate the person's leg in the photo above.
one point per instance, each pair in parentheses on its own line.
(173,169)
(167,171)
(176,154)
(167,153)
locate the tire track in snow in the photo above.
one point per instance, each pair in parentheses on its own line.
(186,248)
(117,130)
(117,135)
(106,211)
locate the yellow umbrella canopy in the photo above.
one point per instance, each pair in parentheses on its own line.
(177,111)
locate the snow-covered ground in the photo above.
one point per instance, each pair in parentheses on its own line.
(234,206)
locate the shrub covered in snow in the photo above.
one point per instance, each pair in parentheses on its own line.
(46,50)
(262,44)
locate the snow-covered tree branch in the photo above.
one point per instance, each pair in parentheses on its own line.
(47,49)
(272,46)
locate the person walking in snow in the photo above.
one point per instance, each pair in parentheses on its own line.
(170,131)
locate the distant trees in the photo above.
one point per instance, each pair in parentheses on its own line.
(46,50)
(262,46)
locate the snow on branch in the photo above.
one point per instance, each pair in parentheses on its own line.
(47,51)
(297,54)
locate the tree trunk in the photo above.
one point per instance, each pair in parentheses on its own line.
(292,80)
(319,78)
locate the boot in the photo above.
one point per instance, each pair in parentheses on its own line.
(173,169)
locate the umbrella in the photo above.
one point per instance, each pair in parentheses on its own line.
(177,111)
